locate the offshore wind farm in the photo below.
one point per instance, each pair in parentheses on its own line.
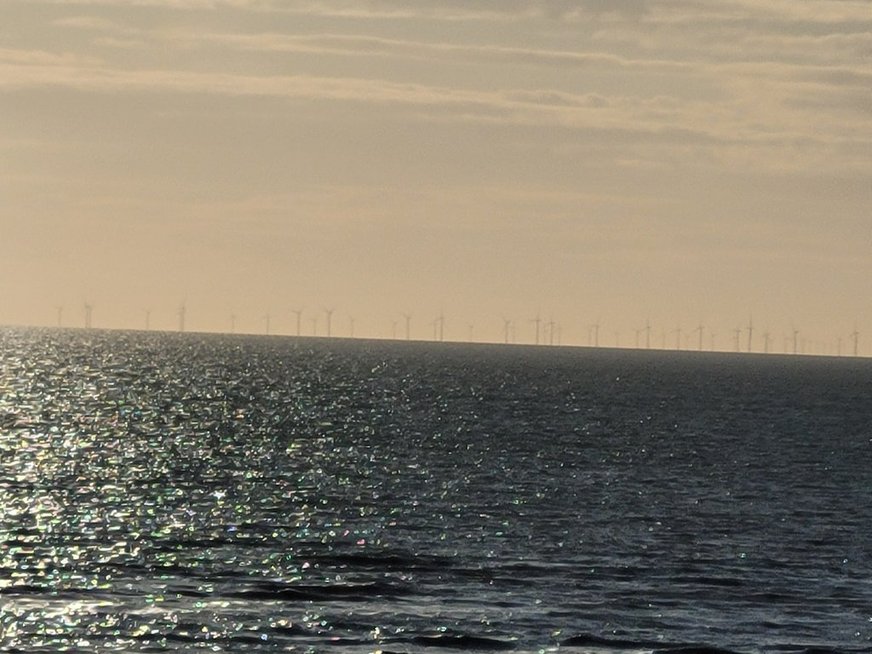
(499,329)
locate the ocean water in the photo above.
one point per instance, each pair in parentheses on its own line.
(185,492)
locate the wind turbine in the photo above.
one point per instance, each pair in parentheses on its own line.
(147,319)
(266,320)
(351,326)
(408,318)
(856,336)
(538,321)
(550,325)
(647,334)
(60,311)
(750,332)
(232,323)
(394,329)
(507,324)
(738,334)
(88,313)
(795,334)
(595,328)
(699,330)
(299,314)
(182,312)
(329,314)
(439,327)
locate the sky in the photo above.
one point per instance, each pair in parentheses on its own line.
(613,162)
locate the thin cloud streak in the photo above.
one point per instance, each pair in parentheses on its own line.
(39,68)
(521,106)
(362,45)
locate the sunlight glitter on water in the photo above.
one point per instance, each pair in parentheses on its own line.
(187,491)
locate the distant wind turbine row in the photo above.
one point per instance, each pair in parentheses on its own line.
(543,332)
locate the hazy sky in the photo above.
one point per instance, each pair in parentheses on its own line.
(609,161)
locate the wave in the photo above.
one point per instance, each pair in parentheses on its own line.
(321,592)
(458,641)
(381,561)
(657,647)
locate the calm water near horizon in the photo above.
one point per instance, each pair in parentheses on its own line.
(188,492)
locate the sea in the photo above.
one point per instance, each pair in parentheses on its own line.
(227,493)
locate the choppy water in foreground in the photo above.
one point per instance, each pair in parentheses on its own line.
(183,492)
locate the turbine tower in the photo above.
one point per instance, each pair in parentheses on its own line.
(439,327)
(351,326)
(266,320)
(538,321)
(507,324)
(647,334)
(147,319)
(329,314)
(699,330)
(408,318)
(855,335)
(60,311)
(299,314)
(88,313)
(750,332)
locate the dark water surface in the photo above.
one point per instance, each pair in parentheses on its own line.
(188,492)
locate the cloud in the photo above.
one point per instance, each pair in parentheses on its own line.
(96,23)
(355,45)
(23,60)
(721,74)
(627,121)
